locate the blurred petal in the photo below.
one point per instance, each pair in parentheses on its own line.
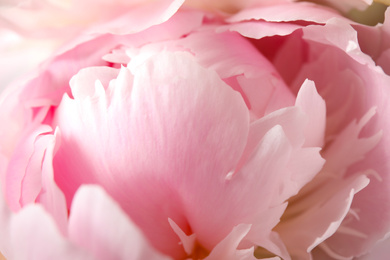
(27,160)
(288,12)
(32,234)
(105,230)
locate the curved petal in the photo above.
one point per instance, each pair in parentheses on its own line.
(26,160)
(104,229)
(319,220)
(340,34)
(314,107)
(32,234)
(48,18)
(227,248)
(287,12)
(242,67)
(261,29)
(364,87)
(170,130)
(140,17)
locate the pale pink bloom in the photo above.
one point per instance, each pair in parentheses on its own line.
(194,135)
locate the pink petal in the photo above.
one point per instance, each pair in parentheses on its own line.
(320,209)
(348,147)
(274,183)
(17,119)
(202,111)
(227,248)
(383,61)
(301,11)
(104,229)
(226,53)
(364,87)
(242,67)
(26,161)
(51,196)
(141,17)
(33,235)
(321,219)
(188,241)
(63,19)
(315,108)
(338,33)
(272,94)
(88,50)
(87,77)
(261,29)
(379,251)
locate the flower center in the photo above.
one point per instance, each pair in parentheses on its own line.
(199,252)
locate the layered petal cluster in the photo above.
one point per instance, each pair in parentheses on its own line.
(169,132)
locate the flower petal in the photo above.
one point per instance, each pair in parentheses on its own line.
(165,126)
(32,234)
(105,230)
(315,109)
(321,219)
(287,12)
(227,248)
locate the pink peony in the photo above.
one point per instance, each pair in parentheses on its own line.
(165,131)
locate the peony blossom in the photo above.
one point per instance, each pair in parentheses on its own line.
(171,130)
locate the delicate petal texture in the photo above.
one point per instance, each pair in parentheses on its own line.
(18,169)
(45,17)
(188,242)
(287,12)
(363,86)
(314,106)
(321,221)
(142,17)
(338,33)
(260,29)
(226,249)
(199,130)
(105,230)
(32,230)
(51,197)
(48,87)
(242,67)
(32,234)
(149,104)
(30,177)
(369,90)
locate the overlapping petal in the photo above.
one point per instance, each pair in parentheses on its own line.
(198,145)
(105,230)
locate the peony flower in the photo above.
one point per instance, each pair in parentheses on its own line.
(170,131)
